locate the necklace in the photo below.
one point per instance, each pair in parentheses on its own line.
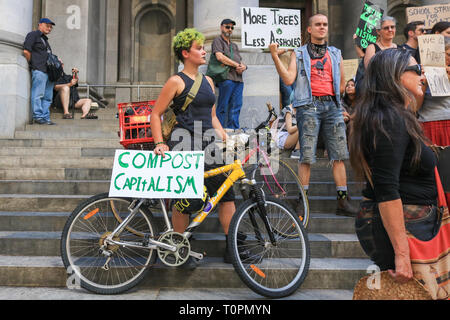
(383,47)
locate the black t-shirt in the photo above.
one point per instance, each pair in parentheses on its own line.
(414,52)
(393,175)
(37,43)
(66,78)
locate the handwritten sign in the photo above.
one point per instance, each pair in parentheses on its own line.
(437,81)
(263,26)
(429,14)
(350,68)
(432,50)
(369,20)
(143,174)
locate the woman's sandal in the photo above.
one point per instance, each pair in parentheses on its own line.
(67,116)
(90,116)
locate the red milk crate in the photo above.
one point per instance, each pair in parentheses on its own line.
(134,124)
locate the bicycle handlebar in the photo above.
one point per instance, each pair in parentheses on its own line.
(272,113)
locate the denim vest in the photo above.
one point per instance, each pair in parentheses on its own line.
(302,84)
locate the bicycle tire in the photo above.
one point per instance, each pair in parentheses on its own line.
(274,271)
(285,185)
(82,237)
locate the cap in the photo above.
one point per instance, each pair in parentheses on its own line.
(228,21)
(46,20)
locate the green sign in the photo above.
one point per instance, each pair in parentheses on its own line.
(370,20)
(144,174)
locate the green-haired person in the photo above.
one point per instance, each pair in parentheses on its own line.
(188,48)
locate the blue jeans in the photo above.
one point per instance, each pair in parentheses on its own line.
(229,103)
(41,95)
(286,93)
(327,116)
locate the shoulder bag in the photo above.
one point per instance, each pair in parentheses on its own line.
(54,66)
(170,116)
(217,70)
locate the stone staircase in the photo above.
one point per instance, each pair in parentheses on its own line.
(47,170)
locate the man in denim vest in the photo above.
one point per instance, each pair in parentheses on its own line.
(317,72)
(36,49)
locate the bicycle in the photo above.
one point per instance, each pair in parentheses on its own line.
(282,183)
(110,255)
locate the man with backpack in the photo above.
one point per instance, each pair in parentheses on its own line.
(36,51)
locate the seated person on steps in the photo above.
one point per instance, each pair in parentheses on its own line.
(288,132)
(66,86)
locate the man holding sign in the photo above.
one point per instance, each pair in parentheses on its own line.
(318,73)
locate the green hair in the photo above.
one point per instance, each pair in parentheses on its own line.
(184,39)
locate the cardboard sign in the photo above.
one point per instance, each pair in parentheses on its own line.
(437,81)
(429,14)
(263,26)
(144,174)
(370,19)
(350,68)
(432,50)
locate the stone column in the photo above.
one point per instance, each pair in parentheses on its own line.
(78,37)
(15,22)
(261,82)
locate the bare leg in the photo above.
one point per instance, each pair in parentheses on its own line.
(84,105)
(339,173)
(64,94)
(226,211)
(180,221)
(304,173)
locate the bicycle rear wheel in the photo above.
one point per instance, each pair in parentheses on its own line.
(285,185)
(276,269)
(84,234)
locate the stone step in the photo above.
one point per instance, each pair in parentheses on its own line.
(50,134)
(93,127)
(98,186)
(62,143)
(48,161)
(56,203)
(33,243)
(54,222)
(324,273)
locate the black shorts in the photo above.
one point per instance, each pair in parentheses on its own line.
(213,183)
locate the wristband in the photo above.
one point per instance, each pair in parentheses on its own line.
(158,143)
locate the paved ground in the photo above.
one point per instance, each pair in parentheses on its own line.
(21,293)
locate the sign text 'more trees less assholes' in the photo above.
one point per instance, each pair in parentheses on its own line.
(263,26)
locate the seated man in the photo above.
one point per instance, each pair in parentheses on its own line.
(66,86)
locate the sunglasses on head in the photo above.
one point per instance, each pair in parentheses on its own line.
(229,27)
(415,68)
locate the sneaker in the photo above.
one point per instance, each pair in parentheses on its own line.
(344,208)
(50,123)
(246,255)
(295,154)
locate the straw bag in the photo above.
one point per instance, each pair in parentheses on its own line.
(430,260)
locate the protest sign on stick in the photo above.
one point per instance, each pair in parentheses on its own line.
(144,174)
(432,57)
(430,15)
(369,20)
(263,26)
(432,50)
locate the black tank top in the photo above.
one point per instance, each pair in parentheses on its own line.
(200,108)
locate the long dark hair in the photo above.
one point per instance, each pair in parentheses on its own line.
(383,98)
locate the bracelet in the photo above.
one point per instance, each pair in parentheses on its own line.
(158,143)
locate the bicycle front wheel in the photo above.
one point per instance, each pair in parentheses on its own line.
(272,269)
(83,245)
(280,181)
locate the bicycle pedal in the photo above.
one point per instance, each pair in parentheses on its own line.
(196,255)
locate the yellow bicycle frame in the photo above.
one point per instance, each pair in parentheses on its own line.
(236,174)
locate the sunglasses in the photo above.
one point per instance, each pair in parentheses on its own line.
(389,27)
(229,27)
(415,68)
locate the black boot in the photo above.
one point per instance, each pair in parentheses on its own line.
(246,255)
(344,208)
